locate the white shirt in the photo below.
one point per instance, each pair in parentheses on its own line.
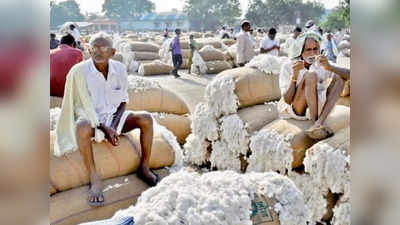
(245,48)
(108,94)
(288,44)
(268,43)
(75,33)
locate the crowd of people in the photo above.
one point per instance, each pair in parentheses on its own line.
(95,91)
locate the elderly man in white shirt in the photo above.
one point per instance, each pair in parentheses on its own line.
(310,85)
(244,46)
(268,44)
(291,40)
(107,85)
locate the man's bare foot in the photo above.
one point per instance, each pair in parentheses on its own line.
(148,176)
(95,195)
(318,132)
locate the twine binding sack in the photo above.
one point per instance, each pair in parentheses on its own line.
(154,68)
(146,56)
(137,46)
(257,116)
(179,125)
(209,53)
(214,67)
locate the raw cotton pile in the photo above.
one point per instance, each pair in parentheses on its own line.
(54,114)
(228,42)
(218,198)
(344,48)
(148,95)
(156,67)
(267,63)
(198,66)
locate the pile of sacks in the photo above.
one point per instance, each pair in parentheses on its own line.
(220,198)
(238,128)
(214,60)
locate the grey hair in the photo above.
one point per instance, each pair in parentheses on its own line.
(101,35)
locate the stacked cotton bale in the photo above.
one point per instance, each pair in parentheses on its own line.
(214,59)
(144,51)
(344,46)
(156,67)
(238,128)
(345,97)
(220,198)
(228,42)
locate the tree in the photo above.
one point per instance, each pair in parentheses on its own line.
(124,9)
(269,13)
(209,14)
(333,21)
(63,12)
(344,13)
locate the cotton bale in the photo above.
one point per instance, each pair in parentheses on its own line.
(179,125)
(154,68)
(209,53)
(137,46)
(214,67)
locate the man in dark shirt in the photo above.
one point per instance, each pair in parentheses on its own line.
(53,41)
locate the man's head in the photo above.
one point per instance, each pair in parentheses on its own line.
(223,27)
(311,49)
(100,48)
(178,31)
(246,26)
(72,27)
(296,32)
(52,36)
(329,36)
(272,33)
(251,31)
(320,31)
(191,36)
(309,24)
(68,39)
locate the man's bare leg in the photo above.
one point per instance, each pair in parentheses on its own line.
(299,103)
(84,134)
(311,94)
(145,123)
(332,96)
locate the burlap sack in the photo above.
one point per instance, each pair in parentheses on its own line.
(207,35)
(55,102)
(214,67)
(179,125)
(344,101)
(146,56)
(338,119)
(253,86)
(154,68)
(118,57)
(228,42)
(138,46)
(343,61)
(330,204)
(258,116)
(71,207)
(341,140)
(185,53)
(212,54)
(69,171)
(346,89)
(184,44)
(343,45)
(213,42)
(156,100)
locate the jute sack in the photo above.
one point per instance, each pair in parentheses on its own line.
(179,125)
(118,57)
(211,54)
(55,101)
(71,207)
(346,89)
(228,42)
(258,116)
(213,42)
(154,68)
(206,35)
(253,86)
(344,101)
(138,46)
(185,53)
(146,56)
(214,67)
(156,100)
(341,140)
(343,45)
(184,44)
(338,119)
(69,171)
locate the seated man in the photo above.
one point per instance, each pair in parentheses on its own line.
(310,85)
(94,107)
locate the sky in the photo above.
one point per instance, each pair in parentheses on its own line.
(167,5)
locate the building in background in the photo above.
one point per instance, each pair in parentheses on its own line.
(156,22)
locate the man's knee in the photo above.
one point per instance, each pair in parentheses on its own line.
(339,82)
(84,130)
(146,121)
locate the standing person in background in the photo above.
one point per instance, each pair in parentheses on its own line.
(252,38)
(224,33)
(290,41)
(175,48)
(193,47)
(62,59)
(165,35)
(269,45)
(245,50)
(76,34)
(53,41)
(329,47)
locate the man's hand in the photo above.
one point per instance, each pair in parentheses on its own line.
(297,66)
(111,135)
(277,47)
(323,61)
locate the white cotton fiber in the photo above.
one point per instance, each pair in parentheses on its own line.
(342,213)
(267,63)
(138,84)
(220,96)
(313,195)
(329,167)
(270,151)
(223,158)
(216,198)
(204,124)
(54,115)
(198,63)
(195,150)
(164,53)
